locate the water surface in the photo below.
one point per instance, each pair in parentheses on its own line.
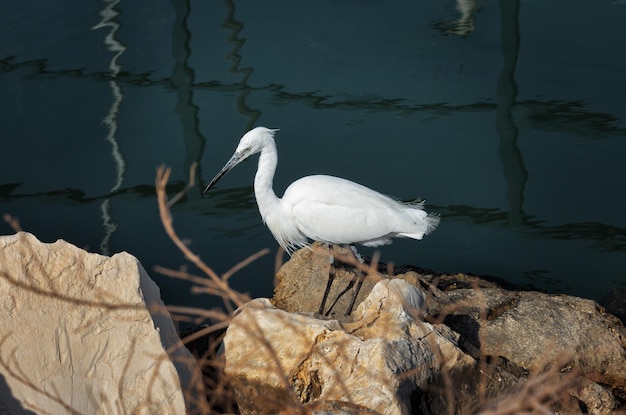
(507,117)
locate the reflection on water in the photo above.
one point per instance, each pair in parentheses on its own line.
(224,201)
(183,79)
(464,24)
(170,103)
(569,117)
(602,236)
(510,154)
(109,15)
(235,28)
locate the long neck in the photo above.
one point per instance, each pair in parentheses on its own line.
(266,199)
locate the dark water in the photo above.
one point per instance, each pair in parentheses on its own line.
(507,117)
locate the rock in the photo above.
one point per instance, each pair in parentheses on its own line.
(535,331)
(84,333)
(615,303)
(517,337)
(302,280)
(598,400)
(280,360)
(332,408)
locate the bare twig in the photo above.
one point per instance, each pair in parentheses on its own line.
(245,263)
(13,222)
(219,285)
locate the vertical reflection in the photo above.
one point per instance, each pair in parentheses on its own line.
(464,24)
(109,15)
(509,152)
(183,78)
(235,27)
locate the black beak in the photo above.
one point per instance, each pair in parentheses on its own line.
(234,160)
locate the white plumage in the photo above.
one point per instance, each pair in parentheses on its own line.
(325,208)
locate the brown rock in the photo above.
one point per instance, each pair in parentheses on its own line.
(302,280)
(280,360)
(518,337)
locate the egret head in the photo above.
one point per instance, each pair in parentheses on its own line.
(251,143)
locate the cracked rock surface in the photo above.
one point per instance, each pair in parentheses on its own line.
(279,358)
(432,344)
(84,333)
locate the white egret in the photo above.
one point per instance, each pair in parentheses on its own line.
(325,208)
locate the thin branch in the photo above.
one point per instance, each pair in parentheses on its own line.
(245,263)
(13,222)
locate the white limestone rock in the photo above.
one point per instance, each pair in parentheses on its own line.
(85,333)
(277,359)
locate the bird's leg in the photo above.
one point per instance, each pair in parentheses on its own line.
(331,276)
(360,277)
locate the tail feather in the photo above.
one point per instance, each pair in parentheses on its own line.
(432,221)
(426,221)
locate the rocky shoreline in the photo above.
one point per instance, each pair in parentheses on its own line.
(84,333)
(504,341)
